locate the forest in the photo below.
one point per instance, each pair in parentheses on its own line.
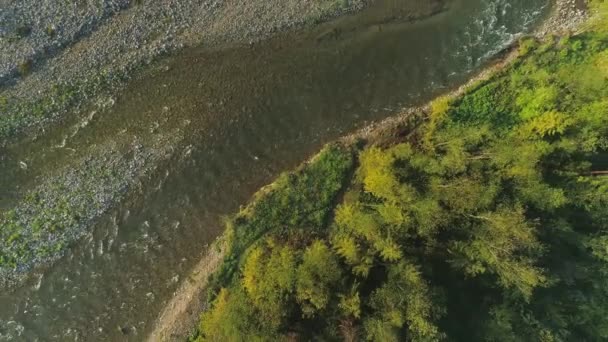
(488,221)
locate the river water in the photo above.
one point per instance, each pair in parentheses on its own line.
(227,122)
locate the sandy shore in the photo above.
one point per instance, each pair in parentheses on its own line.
(181,313)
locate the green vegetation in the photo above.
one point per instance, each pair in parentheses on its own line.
(490,222)
(55,213)
(50,31)
(298,203)
(23,31)
(598,21)
(22,240)
(25,68)
(18,115)
(20,32)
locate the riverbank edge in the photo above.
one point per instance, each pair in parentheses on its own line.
(18,270)
(180,316)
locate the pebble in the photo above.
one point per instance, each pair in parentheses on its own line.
(567,17)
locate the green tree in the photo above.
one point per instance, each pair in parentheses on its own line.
(501,243)
(316,278)
(404,301)
(269,280)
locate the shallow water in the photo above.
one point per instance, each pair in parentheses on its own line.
(231,119)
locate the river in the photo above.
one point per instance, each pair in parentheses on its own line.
(217,125)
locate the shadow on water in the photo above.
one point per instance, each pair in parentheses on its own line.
(244,114)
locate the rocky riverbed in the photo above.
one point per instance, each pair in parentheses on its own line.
(79,57)
(54,55)
(58,58)
(567,17)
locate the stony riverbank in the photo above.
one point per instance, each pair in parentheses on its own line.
(60,57)
(62,208)
(567,17)
(55,56)
(59,204)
